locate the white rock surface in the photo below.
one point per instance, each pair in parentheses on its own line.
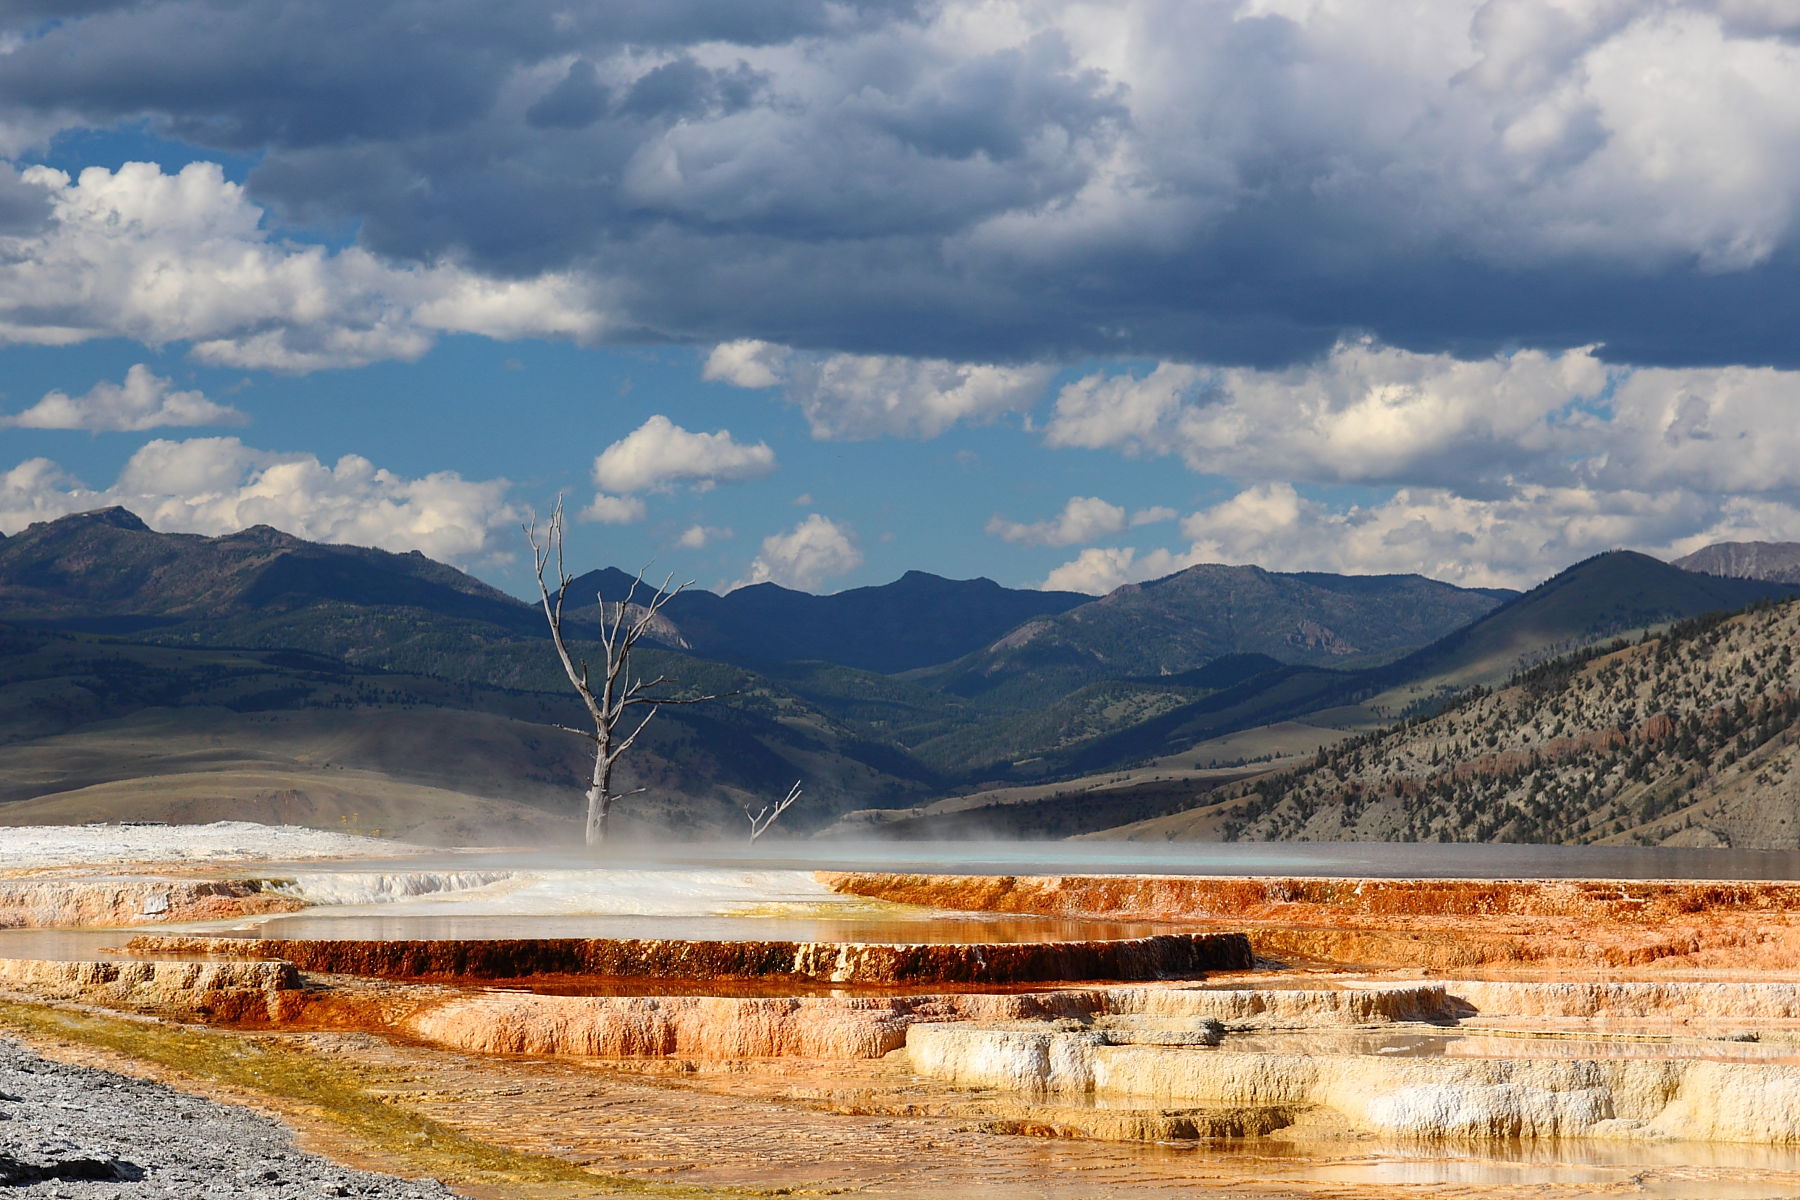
(1424,1097)
(34,846)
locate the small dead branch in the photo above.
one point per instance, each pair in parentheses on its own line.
(760,821)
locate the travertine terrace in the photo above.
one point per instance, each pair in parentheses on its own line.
(1380,1021)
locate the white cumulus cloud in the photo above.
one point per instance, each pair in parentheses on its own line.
(1363,413)
(746,363)
(804,557)
(143,401)
(660,453)
(1082,519)
(1516,539)
(155,257)
(614,510)
(698,537)
(220,485)
(1099,569)
(855,396)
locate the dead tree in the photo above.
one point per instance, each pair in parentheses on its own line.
(760,821)
(618,703)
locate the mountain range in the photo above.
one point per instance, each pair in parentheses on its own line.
(257,669)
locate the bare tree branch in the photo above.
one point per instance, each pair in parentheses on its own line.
(760,821)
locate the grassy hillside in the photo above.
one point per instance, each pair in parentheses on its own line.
(80,711)
(1688,738)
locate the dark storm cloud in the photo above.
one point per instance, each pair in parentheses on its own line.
(23,209)
(578,101)
(1179,180)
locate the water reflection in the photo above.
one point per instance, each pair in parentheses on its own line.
(327,924)
(1388,860)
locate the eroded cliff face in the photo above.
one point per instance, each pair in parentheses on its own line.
(1170,956)
(712,1027)
(851,1027)
(1600,1003)
(77,903)
(1195,897)
(236,992)
(1433,924)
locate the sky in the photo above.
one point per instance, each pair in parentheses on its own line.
(1066,295)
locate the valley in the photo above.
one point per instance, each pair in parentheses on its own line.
(259,674)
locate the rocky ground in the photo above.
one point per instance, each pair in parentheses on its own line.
(80,1133)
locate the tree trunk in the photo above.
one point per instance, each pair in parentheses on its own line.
(598,803)
(619,691)
(599,796)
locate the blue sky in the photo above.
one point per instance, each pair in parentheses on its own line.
(1067,295)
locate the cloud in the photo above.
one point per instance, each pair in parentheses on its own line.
(1511,541)
(698,537)
(660,453)
(144,401)
(1082,519)
(747,363)
(854,396)
(614,510)
(220,485)
(1153,515)
(159,258)
(1515,540)
(1099,569)
(813,551)
(1120,410)
(1217,182)
(1362,413)
(1372,414)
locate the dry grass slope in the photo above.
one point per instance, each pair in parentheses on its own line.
(1684,739)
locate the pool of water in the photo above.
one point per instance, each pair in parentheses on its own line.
(1567,1169)
(530,899)
(508,898)
(340,924)
(1389,860)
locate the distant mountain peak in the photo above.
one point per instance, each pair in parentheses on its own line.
(1775,562)
(266,535)
(116,517)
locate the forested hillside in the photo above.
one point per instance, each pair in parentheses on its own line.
(1687,738)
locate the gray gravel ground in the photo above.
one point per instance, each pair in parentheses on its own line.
(81,1133)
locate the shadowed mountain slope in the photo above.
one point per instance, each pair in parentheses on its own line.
(108,571)
(916,621)
(1189,619)
(1601,597)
